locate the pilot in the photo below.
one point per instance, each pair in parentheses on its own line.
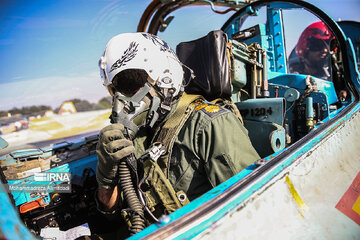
(312,52)
(196,144)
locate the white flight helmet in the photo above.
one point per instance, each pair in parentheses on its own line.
(142,51)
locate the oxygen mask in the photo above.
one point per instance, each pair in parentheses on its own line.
(132,111)
(133,104)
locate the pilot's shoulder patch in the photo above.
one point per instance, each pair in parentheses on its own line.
(211,110)
(201,106)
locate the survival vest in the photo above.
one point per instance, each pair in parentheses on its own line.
(157,193)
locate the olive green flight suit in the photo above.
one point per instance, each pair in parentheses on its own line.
(211,147)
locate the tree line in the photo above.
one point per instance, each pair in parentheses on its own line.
(80,105)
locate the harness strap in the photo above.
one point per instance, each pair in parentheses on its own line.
(173,125)
(159,194)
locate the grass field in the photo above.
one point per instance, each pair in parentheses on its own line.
(64,126)
(94,124)
(40,125)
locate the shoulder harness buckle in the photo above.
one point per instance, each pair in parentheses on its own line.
(156,151)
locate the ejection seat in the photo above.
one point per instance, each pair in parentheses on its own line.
(220,74)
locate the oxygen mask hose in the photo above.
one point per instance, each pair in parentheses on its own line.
(126,183)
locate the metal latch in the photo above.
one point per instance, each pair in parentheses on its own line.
(156,151)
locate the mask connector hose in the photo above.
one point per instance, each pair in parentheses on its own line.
(127,185)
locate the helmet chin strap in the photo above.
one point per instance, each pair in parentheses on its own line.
(153,115)
(160,109)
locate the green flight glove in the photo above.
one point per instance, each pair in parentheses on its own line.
(111,149)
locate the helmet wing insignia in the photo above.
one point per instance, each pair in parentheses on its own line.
(127,56)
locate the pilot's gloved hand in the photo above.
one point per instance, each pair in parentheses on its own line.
(111,149)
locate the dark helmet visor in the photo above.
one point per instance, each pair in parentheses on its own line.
(129,81)
(315,44)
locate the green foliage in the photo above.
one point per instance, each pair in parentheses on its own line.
(3,113)
(104,103)
(25,110)
(84,105)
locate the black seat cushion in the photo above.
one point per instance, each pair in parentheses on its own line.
(207,57)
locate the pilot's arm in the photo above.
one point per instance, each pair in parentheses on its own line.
(226,148)
(112,148)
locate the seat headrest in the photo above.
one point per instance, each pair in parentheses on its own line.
(207,57)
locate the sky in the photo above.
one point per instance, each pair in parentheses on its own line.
(50,48)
